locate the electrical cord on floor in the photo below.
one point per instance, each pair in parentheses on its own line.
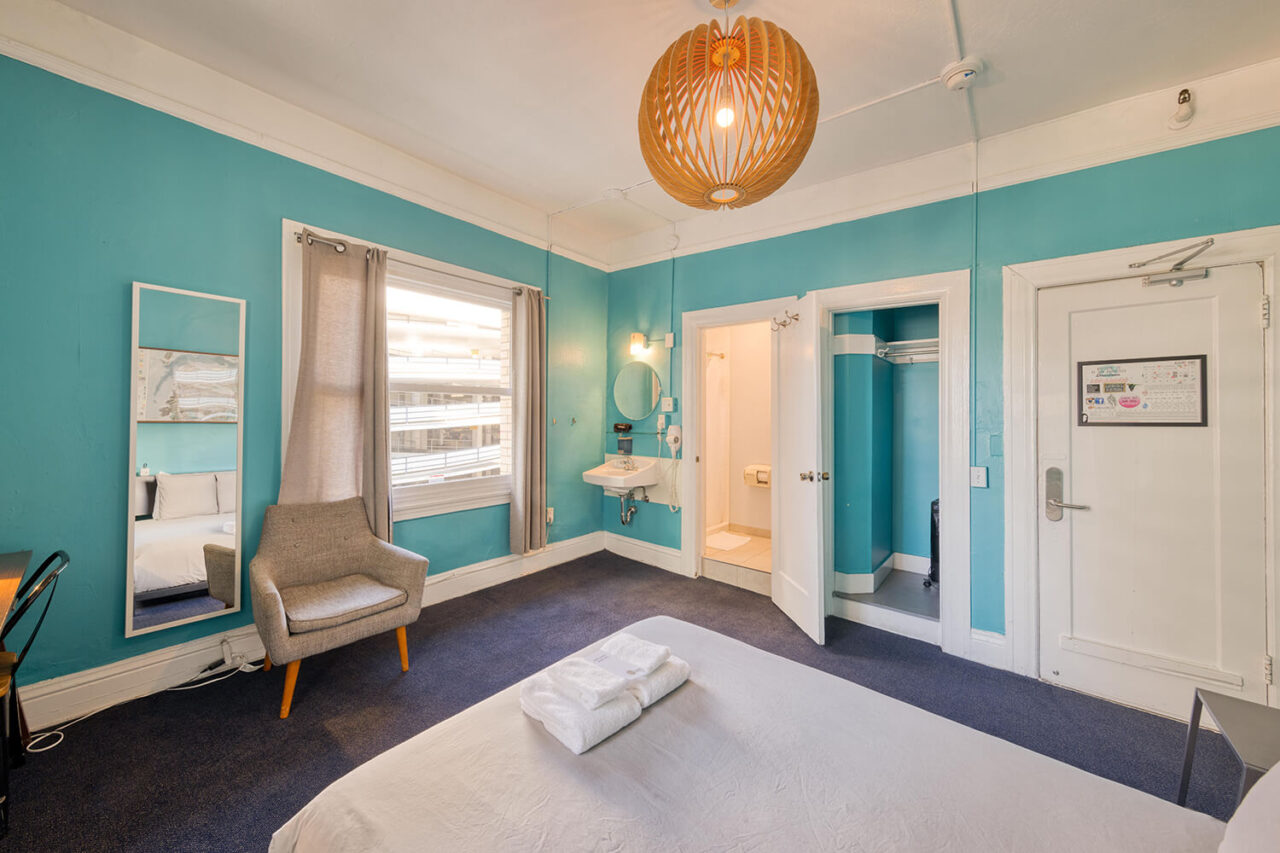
(37,742)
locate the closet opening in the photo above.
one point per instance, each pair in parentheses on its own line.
(885,394)
(736,455)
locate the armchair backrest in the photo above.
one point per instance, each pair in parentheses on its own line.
(313,542)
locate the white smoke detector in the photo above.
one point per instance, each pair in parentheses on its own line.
(959,76)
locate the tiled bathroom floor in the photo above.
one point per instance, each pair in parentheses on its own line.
(756,553)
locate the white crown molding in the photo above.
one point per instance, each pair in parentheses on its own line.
(66,697)
(1227,104)
(71,44)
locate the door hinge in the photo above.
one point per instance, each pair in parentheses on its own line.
(1268,669)
(1266,312)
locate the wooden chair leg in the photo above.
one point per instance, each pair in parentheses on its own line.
(266,663)
(290,679)
(402,639)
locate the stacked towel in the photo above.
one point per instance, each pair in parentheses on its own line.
(573,725)
(582,701)
(642,654)
(590,685)
(660,682)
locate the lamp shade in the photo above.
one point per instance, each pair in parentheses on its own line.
(727,118)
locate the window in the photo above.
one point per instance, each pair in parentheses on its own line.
(449,369)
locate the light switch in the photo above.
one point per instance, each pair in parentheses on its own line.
(668,404)
(978,477)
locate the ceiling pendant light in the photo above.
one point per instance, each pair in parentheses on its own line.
(728,114)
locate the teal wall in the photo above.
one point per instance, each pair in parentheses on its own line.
(915,453)
(1224,185)
(186,448)
(99,192)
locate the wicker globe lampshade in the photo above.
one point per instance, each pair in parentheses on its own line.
(727,117)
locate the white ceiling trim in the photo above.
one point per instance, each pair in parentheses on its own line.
(54,37)
(81,48)
(1226,104)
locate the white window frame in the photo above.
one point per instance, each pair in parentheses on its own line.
(408,502)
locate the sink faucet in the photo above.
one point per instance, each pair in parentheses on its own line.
(625,464)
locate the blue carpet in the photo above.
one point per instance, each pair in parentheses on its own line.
(215,769)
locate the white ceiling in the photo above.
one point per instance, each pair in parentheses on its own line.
(537,100)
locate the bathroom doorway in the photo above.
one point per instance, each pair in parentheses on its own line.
(736,450)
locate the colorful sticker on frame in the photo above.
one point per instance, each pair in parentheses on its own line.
(1169,391)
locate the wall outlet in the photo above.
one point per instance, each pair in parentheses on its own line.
(662,422)
(551,515)
(978,477)
(668,404)
(671,340)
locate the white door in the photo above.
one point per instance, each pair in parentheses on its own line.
(798,552)
(1155,582)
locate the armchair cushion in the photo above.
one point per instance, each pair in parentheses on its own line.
(328,604)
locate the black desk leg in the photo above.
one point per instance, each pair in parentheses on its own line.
(4,769)
(1193,728)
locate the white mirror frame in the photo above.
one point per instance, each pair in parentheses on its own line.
(129,631)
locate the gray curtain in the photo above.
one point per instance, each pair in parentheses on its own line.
(529,451)
(339,438)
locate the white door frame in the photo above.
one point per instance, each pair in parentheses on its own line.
(1021,468)
(950,290)
(692,529)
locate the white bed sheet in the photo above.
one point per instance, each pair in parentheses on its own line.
(755,752)
(170,552)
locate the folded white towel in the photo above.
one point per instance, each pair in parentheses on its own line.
(584,681)
(660,682)
(573,725)
(642,654)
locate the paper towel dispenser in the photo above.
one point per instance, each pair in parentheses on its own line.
(757,475)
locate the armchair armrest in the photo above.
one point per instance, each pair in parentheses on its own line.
(268,608)
(396,567)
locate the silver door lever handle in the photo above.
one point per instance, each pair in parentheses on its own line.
(1060,505)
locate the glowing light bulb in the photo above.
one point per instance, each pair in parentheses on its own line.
(724,116)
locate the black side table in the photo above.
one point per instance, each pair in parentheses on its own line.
(1252,731)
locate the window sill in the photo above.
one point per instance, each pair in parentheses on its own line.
(440,499)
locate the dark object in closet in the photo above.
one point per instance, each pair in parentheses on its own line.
(933,546)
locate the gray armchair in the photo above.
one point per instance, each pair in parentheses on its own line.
(321,579)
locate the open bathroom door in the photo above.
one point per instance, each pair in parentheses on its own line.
(798,474)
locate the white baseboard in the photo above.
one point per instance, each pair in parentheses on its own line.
(916,627)
(645,552)
(864,583)
(66,697)
(990,648)
(911,563)
(478,576)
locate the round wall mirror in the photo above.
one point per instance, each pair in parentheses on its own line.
(636,390)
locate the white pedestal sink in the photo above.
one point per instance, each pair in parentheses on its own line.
(619,476)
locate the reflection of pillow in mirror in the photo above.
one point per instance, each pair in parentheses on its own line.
(181,495)
(226,491)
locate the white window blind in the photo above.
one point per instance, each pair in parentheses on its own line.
(449,360)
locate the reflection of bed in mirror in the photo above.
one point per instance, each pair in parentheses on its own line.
(184,545)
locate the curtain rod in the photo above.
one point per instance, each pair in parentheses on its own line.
(340,247)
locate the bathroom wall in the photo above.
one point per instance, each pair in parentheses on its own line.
(716,417)
(750,357)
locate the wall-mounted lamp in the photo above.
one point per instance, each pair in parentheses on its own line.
(640,344)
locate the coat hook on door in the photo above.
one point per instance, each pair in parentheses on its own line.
(776,324)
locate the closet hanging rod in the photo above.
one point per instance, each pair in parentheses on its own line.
(339,246)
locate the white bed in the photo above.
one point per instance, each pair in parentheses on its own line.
(170,552)
(755,752)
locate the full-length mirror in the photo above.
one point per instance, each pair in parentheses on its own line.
(636,390)
(187,383)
